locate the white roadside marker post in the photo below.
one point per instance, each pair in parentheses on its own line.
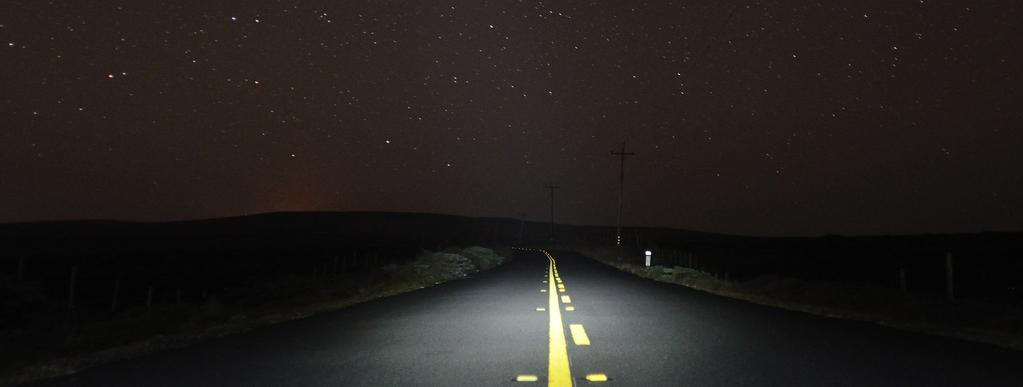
(648,253)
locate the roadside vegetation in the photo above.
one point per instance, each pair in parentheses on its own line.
(967,318)
(52,347)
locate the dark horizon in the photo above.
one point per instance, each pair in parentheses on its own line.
(774,119)
(542,223)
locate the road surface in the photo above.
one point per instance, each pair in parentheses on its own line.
(515,322)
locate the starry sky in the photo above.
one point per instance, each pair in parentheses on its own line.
(750,117)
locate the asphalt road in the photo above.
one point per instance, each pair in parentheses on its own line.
(486,331)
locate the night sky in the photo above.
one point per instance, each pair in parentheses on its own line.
(767,118)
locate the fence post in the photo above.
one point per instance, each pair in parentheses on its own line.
(71,290)
(902,279)
(522,231)
(949,278)
(149,301)
(117,292)
(20,276)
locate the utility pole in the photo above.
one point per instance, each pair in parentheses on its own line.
(621,192)
(552,187)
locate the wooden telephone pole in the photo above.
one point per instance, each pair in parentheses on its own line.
(621,192)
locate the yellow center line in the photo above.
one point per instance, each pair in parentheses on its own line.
(558,373)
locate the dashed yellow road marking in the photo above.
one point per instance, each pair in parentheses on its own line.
(596,377)
(566,299)
(579,334)
(526,378)
(570,308)
(558,373)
